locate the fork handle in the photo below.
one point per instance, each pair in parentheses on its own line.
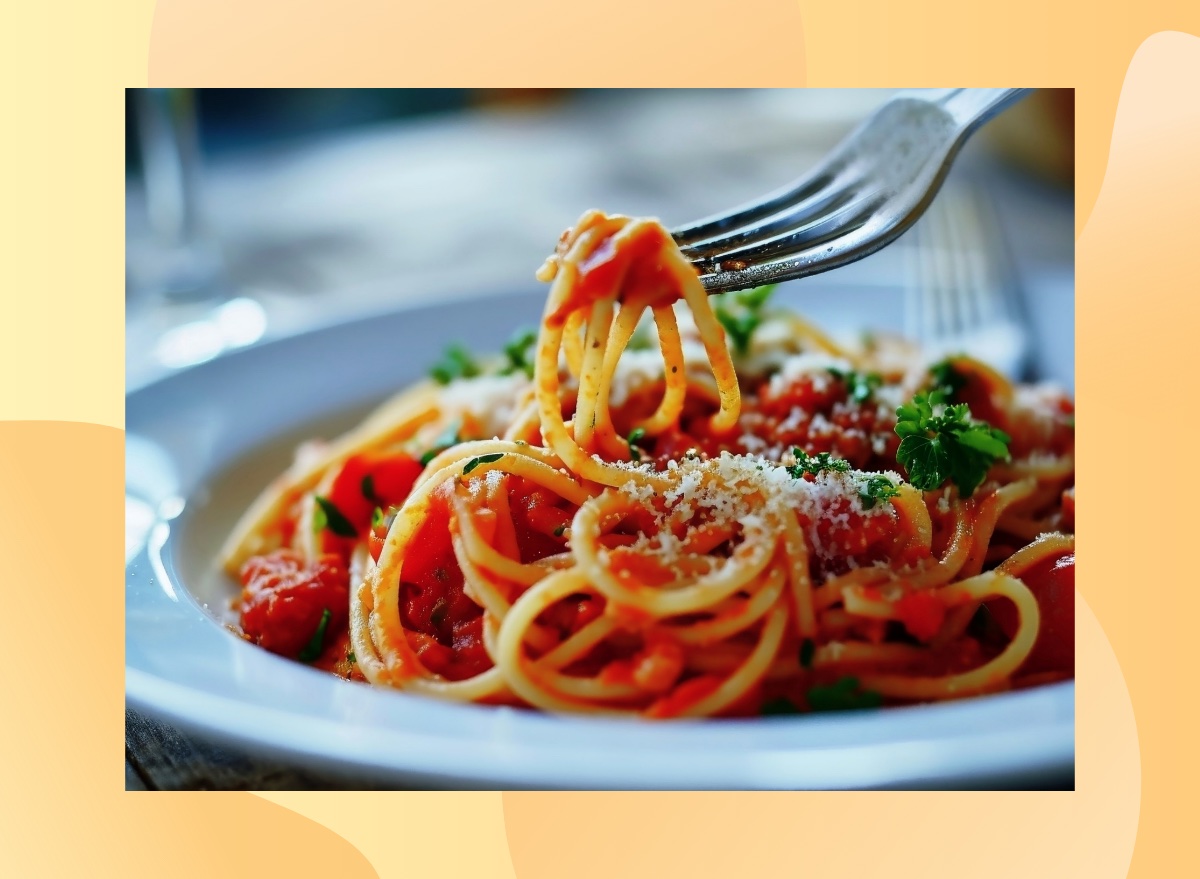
(972,107)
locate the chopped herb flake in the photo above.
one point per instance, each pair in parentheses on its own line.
(368,489)
(877,488)
(313,648)
(448,438)
(741,314)
(859,385)
(947,379)
(635,436)
(808,649)
(482,459)
(815,464)
(844,695)
(778,708)
(456,363)
(518,351)
(331,518)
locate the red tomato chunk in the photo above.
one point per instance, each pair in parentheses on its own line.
(283,600)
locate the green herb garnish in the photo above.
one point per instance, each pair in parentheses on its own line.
(376,517)
(635,436)
(350,657)
(448,437)
(330,517)
(808,649)
(367,487)
(877,488)
(518,350)
(859,385)
(560,530)
(482,459)
(947,379)
(815,464)
(939,443)
(844,695)
(456,363)
(313,648)
(778,708)
(741,314)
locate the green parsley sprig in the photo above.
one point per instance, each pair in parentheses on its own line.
(843,695)
(816,464)
(456,363)
(878,488)
(448,437)
(947,379)
(940,443)
(519,351)
(741,313)
(859,385)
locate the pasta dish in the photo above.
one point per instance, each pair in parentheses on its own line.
(666,504)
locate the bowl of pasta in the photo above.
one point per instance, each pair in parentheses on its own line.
(656,539)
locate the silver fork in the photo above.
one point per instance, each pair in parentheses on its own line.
(961,293)
(865,194)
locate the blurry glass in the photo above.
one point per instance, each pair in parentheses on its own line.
(179,259)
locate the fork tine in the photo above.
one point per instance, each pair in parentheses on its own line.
(838,192)
(794,193)
(847,217)
(854,244)
(905,149)
(958,299)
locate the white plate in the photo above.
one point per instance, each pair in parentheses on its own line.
(202,443)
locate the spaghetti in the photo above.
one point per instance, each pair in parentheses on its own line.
(651,531)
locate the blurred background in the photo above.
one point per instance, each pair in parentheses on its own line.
(253,214)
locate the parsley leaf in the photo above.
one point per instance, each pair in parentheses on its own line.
(456,363)
(808,649)
(741,313)
(313,648)
(518,351)
(936,446)
(859,385)
(449,437)
(947,379)
(329,516)
(815,464)
(367,487)
(778,708)
(844,695)
(635,436)
(482,459)
(877,488)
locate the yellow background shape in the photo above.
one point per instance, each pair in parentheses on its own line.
(65,63)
